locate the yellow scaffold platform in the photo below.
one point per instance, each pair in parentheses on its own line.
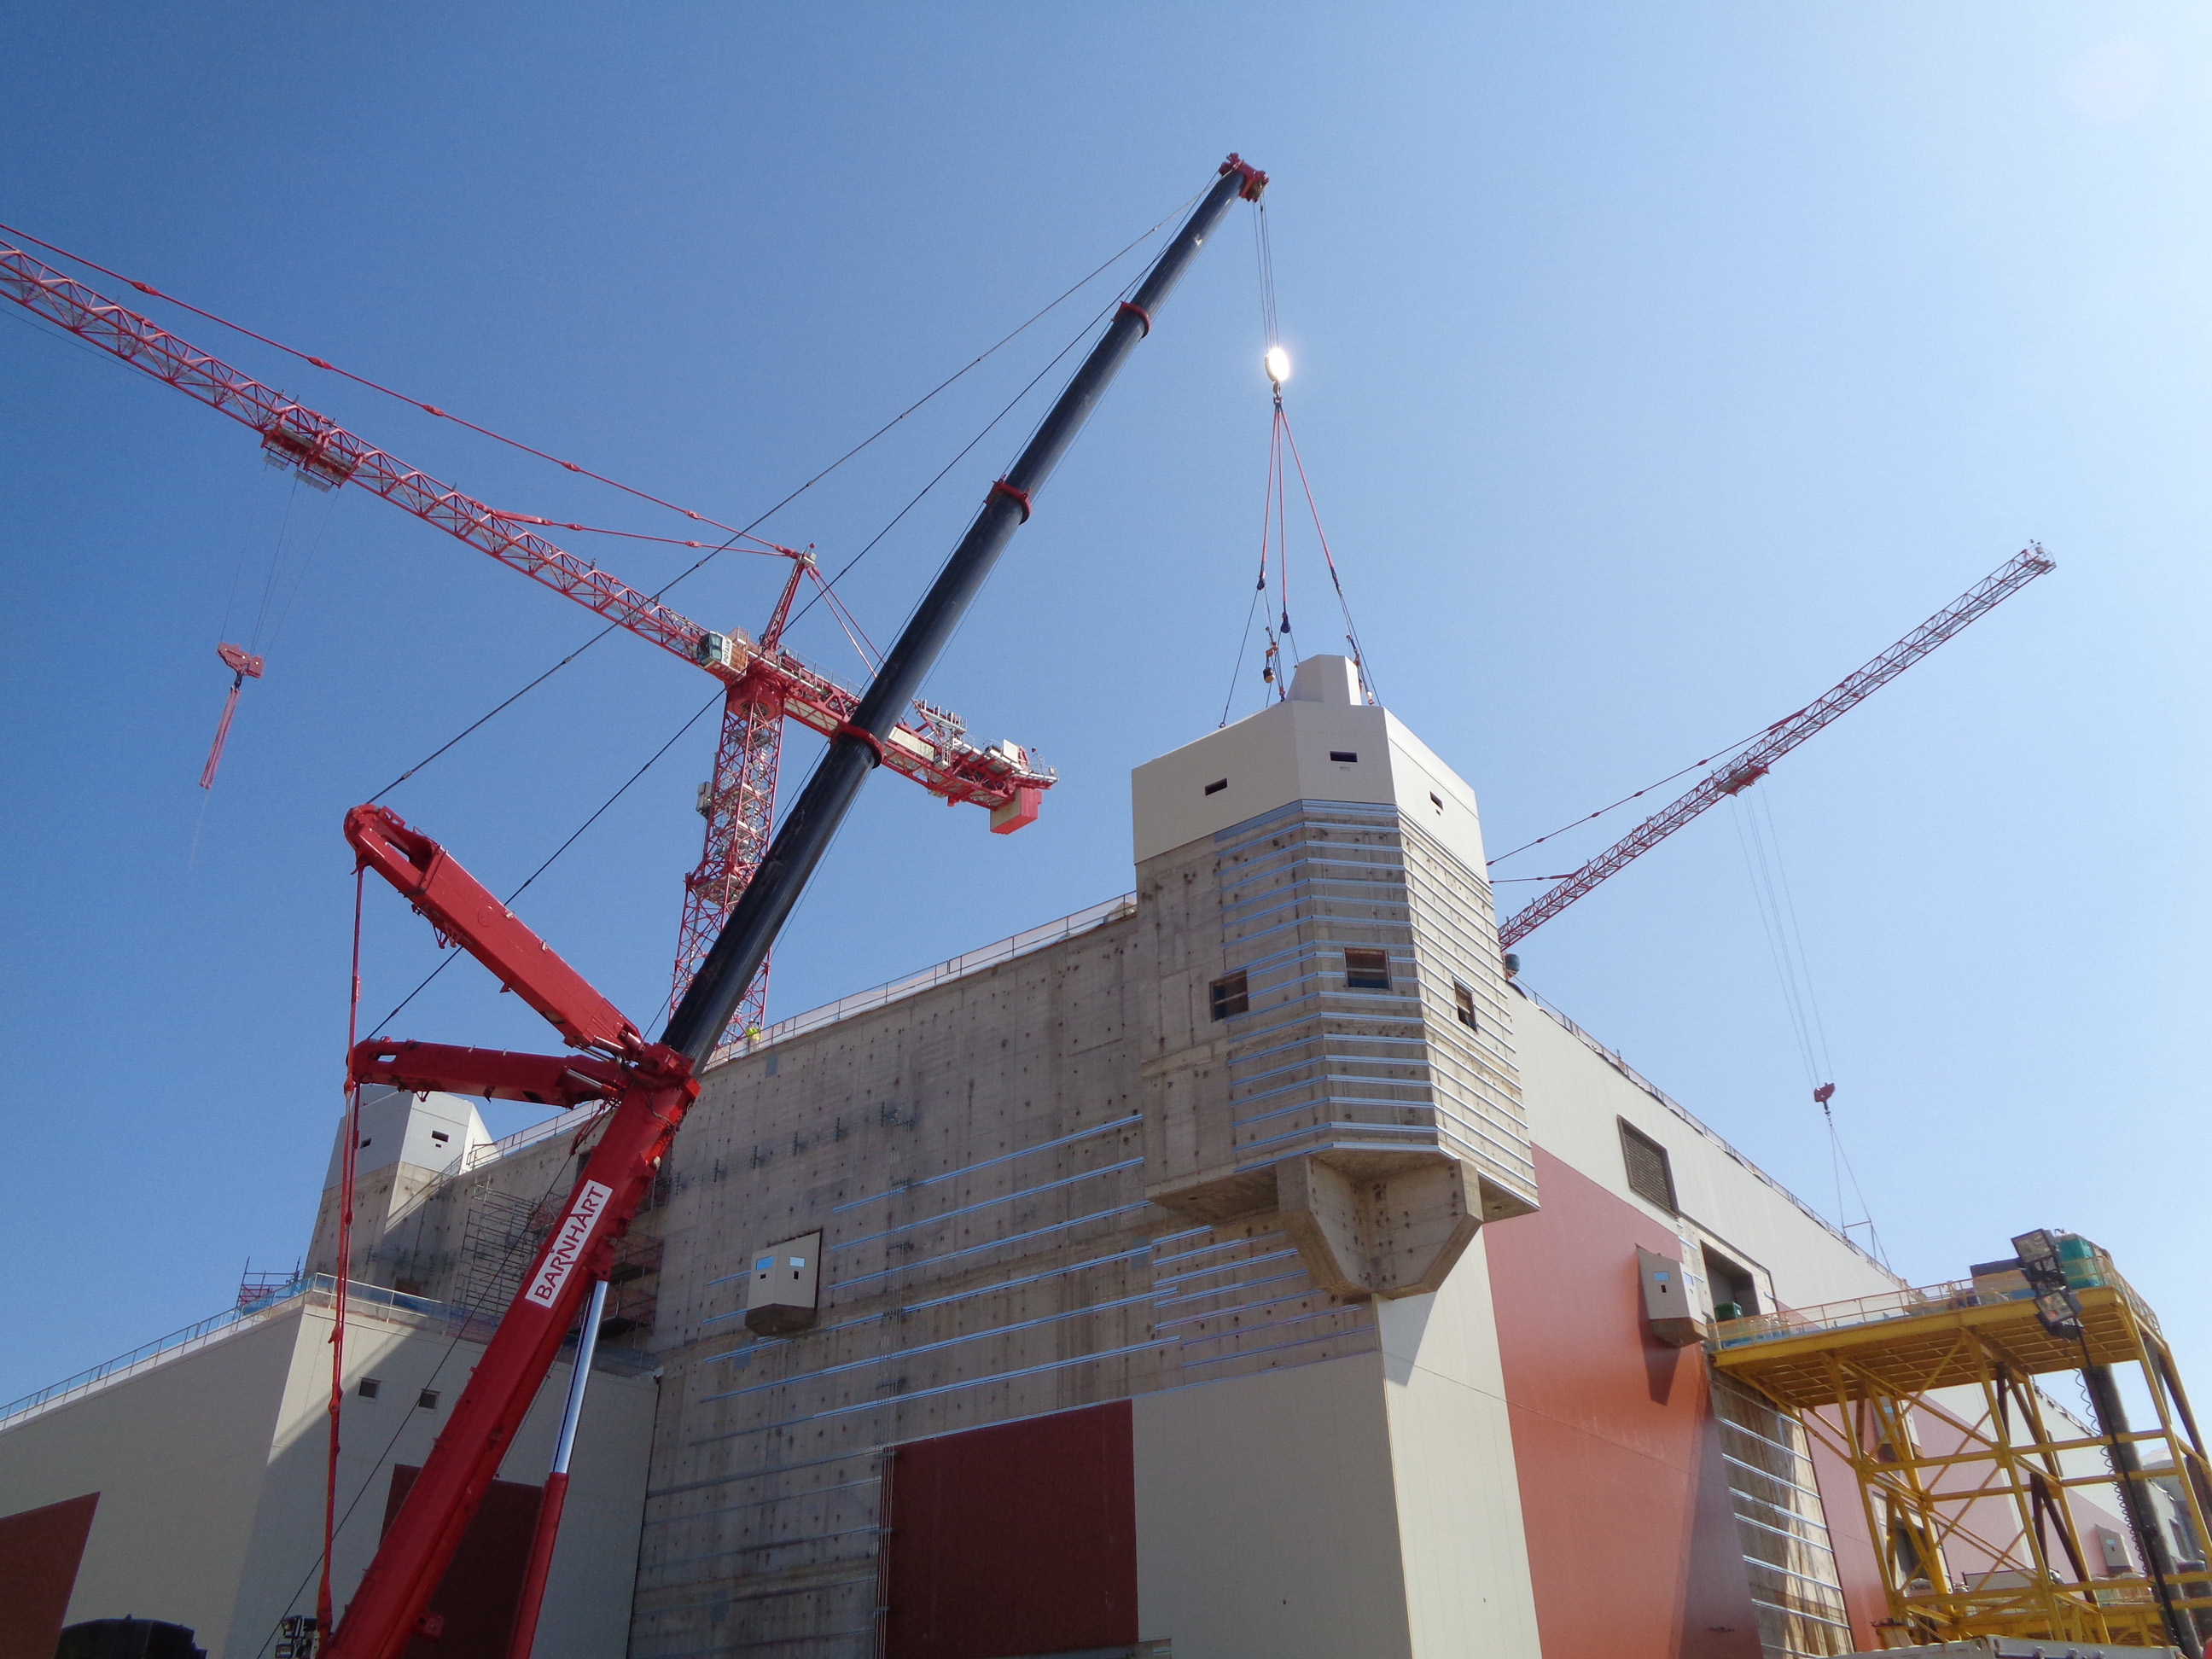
(1977,1485)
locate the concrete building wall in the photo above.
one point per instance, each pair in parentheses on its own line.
(178,1456)
(1033,1196)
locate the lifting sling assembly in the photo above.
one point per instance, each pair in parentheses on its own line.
(652,1085)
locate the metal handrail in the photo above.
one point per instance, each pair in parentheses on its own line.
(944,973)
(1914,1303)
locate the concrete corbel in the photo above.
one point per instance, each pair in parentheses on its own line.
(1391,1226)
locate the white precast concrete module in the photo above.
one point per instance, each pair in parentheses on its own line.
(1287,753)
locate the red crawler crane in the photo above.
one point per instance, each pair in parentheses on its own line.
(1755,759)
(766,684)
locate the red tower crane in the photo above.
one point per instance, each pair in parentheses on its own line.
(1752,761)
(765,685)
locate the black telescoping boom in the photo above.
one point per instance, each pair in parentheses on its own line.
(857,746)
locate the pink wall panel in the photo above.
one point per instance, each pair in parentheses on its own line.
(1632,1549)
(1857,1565)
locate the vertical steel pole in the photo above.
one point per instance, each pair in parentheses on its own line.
(557,1483)
(856,747)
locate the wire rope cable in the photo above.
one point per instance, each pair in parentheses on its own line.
(1276,623)
(713,703)
(571,466)
(1779,924)
(823,588)
(1639,794)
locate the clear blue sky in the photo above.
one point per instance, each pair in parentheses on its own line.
(1656,366)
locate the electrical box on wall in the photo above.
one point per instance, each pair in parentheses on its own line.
(1667,1309)
(785,1293)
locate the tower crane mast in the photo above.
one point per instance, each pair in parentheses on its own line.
(764,683)
(1752,763)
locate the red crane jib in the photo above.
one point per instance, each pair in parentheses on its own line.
(464,911)
(325,451)
(652,1086)
(563,1080)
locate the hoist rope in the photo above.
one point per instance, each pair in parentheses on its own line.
(341,1275)
(1351,629)
(1275,624)
(1776,904)
(1012,404)
(824,587)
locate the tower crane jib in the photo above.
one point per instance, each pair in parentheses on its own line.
(1752,763)
(766,684)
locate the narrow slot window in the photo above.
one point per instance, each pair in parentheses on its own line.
(1217,786)
(1344,753)
(1229,995)
(1436,801)
(1650,1176)
(1463,1005)
(1367,970)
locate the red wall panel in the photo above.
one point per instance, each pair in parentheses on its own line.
(477,1596)
(1632,1549)
(1019,1538)
(39,1550)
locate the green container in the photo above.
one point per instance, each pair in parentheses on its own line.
(2078,1256)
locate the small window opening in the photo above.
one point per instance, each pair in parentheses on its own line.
(370,1387)
(1344,753)
(1735,1291)
(1463,1005)
(1230,995)
(1217,786)
(1650,1177)
(428,1400)
(440,1134)
(364,1143)
(1436,801)
(1367,970)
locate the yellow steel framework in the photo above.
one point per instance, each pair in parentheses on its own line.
(1970,1498)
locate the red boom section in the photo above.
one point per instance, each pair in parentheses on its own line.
(653,1087)
(463,910)
(939,759)
(1751,764)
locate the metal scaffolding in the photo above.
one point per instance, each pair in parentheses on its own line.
(1973,1478)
